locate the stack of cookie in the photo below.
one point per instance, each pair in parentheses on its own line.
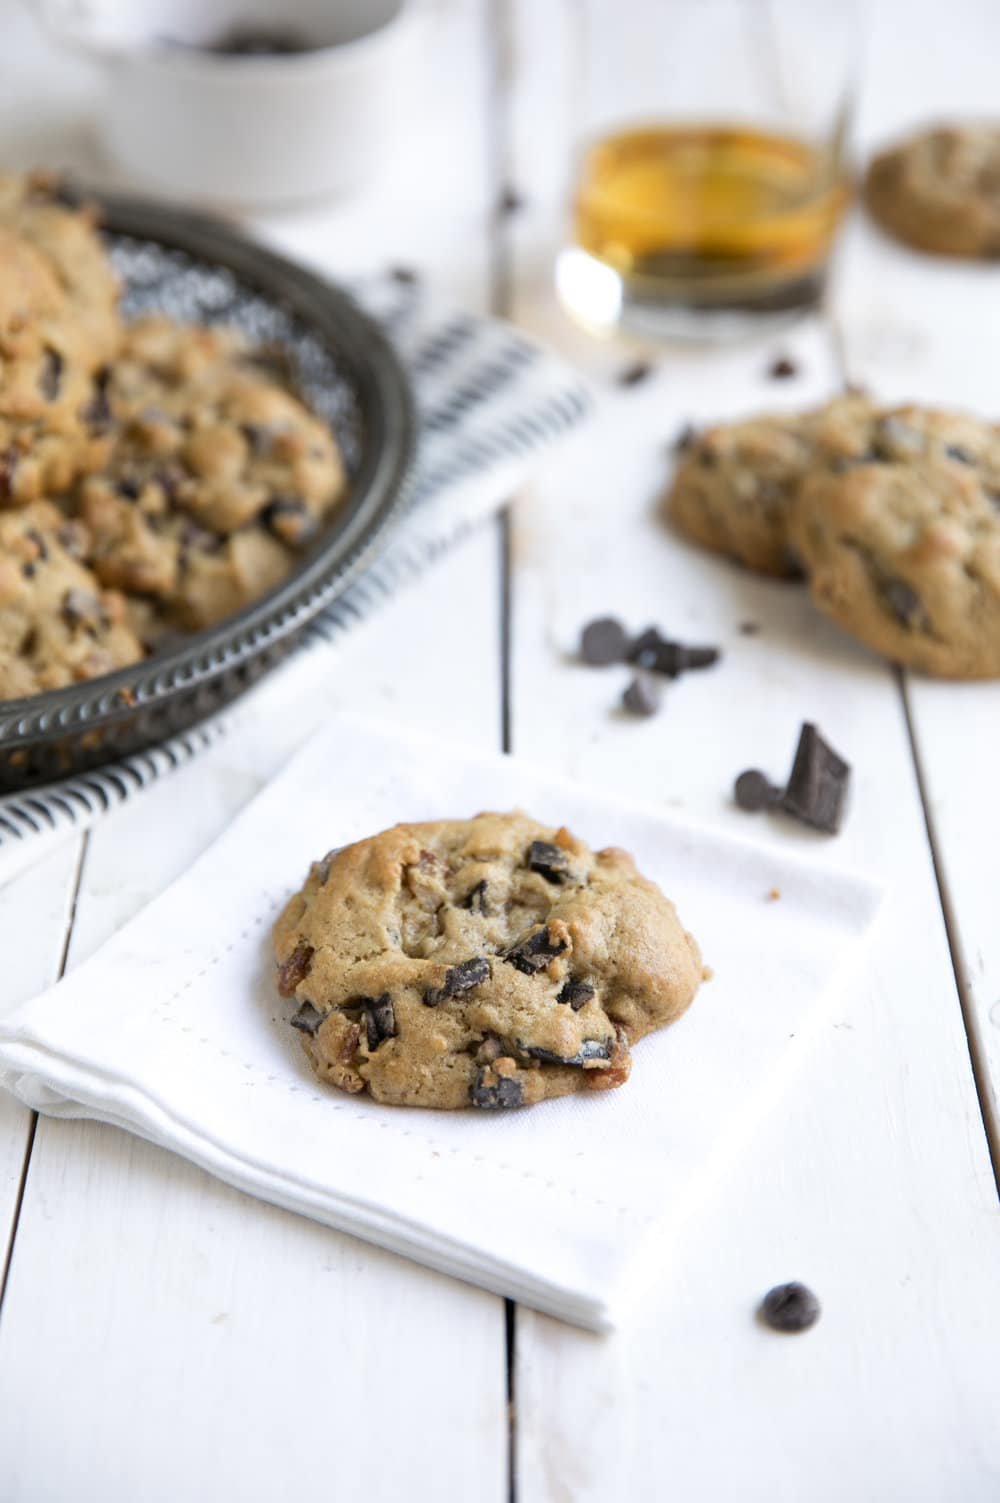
(892,515)
(154,477)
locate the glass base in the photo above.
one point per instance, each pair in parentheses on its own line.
(603,302)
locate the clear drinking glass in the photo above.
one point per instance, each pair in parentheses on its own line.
(711,170)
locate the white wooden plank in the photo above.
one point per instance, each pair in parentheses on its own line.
(871,1178)
(929,330)
(244,1352)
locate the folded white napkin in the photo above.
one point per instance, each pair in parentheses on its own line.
(175,1031)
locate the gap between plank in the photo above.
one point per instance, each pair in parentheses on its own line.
(33,1121)
(963,985)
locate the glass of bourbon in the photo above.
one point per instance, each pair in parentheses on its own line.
(711,168)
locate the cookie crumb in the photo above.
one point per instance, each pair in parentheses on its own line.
(773,895)
(782,368)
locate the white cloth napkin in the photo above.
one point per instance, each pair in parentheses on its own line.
(175,1031)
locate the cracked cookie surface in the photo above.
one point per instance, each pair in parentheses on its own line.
(489,962)
(939,190)
(901,544)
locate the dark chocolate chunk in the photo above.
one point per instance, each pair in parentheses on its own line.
(38,540)
(97,412)
(589,1049)
(404,275)
(632,375)
(8,466)
(903,600)
(380,1019)
(960,455)
(817,788)
(325,864)
(603,641)
(790,1307)
(576,993)
(550,861)
(781,368)
(50,379)
(533,954)
(643,696)
(753,791)
(458,980)
(685,439)
(660,655)
(510,202)
(82,608)
(129,488)
(492,1091)
(476,899)
(295,968)
(307,1019)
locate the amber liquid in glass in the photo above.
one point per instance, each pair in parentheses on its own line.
(710,216)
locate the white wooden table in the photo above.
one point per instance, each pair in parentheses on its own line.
(165,1338)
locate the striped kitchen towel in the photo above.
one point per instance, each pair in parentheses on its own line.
(490,403)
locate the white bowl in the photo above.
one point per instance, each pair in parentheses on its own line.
(247,131)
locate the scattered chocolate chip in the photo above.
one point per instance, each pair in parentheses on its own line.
(753,791)
(685,439)
(510,202)
(404,275)
(643,696)
(960,455)
(50,379)
(476,899)
(652,651)
(603,641)
(82,608)
(307,1019)
(550,861)
(295,968)
(458,980)
(380,1019)
(790,1307)
(576,993)
(903,600)
(8,468)
(533,954)
(492,1091)
(634,374)
(781,368)
(749,628)
(589,1049)
(817,787)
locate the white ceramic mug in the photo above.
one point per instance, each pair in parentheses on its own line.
(246,131)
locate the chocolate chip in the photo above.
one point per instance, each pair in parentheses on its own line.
(817,787)
(97,412)
(82,608)
(510,202)
(902,600)
(589,1049)
(307,1019)
(550,861)
(576,993)
(685,439)
(289,519)
(643,696)
(960,455)
(458,980)
(476,899)
(658,654)
(8,468)
(73,537)
(325,864)
(603,641)
(632,375)
(259,437)
(533,954)
(295,968)
(39,542)
(404,275)
(380,1019)
(50,379)
(790,1307)
(781,368)
(753,791)
(129,488)
(492,1091)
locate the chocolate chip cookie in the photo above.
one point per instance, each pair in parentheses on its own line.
(736,482)
(57,625)
(902,543)
(939,190)
(489,962)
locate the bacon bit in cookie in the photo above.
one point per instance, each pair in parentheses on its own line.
(380,1019)
(548,860)
(576,993)
(307,1019)
(619,1067)
(295,968)
(494,1089)
(533,954)
(458,980)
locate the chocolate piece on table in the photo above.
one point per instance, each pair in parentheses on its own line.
(817,787)
(790,1307)
(643,696)
(603,641)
